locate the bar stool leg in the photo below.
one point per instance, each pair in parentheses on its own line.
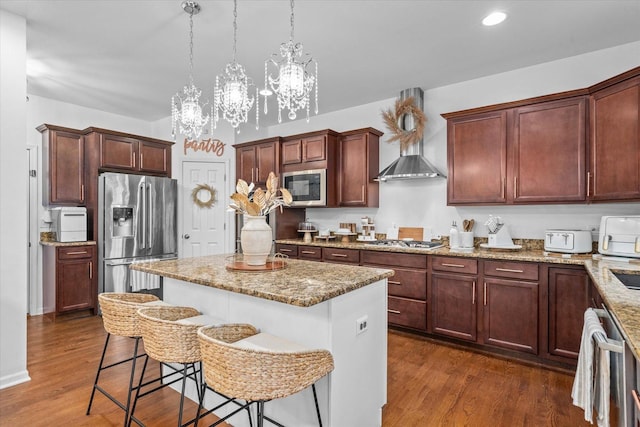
(95,383)
(135,398)
(315,399)
(133,372)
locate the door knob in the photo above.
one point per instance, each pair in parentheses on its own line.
(186,236)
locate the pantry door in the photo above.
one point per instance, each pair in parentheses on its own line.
(204,230)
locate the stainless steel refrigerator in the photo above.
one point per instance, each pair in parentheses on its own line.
(137,221)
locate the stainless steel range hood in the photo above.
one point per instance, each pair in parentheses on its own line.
(411,164)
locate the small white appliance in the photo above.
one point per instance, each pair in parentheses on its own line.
(620,236)
(70,224)
(568,241)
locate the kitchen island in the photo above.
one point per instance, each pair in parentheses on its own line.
(319,305)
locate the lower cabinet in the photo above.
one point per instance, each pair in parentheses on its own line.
(312,253)
(70,280)
(289,250)
(407,288)
(569,296)
(341,256)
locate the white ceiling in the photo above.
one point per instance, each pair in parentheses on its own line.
(129,57)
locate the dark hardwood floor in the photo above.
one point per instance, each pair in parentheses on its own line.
(429,385)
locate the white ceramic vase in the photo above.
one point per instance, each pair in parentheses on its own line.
(256,240)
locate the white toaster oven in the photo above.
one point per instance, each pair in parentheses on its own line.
(620,236)
(568,241)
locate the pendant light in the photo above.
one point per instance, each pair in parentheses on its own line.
(231,95)
(186,111)
(294,83)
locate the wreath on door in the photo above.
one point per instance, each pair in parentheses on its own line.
(394,119)
(203,196)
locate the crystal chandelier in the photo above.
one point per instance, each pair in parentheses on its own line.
(231,95)
(294,83)
(186,110)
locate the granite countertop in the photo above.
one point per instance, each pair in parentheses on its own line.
(300,283)
(623,302)
(47,243)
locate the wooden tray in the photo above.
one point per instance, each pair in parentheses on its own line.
(271,265)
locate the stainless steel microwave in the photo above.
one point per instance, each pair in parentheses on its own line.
(308,188)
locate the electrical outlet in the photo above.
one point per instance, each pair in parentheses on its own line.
(362,324)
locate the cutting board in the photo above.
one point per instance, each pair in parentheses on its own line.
(415,233)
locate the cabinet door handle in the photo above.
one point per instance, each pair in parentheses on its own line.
(133,158)
(252,175)
(588,183)
(392,282)
(339,255)
(504,185)
(515,187)
(77,253)
(82,192)
(90,269)
(363,193)
(485,293)
(444,264)
(141,160)
(393,311)
(308,252)
(286,250)
(636,398)
(473,298)
(257,174)
(509,270)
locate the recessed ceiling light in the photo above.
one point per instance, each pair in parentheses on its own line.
(494,18)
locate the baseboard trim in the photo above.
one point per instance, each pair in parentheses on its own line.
(14,379)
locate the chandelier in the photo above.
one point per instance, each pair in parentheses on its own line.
(294,82)
(231,95)
(186,110)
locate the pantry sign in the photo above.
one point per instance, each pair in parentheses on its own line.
(211,145)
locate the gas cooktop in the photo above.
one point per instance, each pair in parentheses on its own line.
(393,243)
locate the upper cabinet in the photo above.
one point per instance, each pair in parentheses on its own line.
(614,170)
(130,154)
(254,160)
(571,147)
(358,162)
(519,155)
(64,164)
(315,150)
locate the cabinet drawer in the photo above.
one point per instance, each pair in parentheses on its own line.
(310,252)
(408,313)
(515,270)
(351,256)
(394,259)
(408,283)
(75,252)
(454,264)
(289,250)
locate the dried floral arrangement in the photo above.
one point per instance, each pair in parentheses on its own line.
(211,193)
(258,202)
(392,120)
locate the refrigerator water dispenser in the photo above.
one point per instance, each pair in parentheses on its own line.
(122,221)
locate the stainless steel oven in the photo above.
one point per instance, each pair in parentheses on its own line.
(308,188)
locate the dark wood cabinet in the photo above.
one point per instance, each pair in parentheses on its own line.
(341,256)
(569,297)
(133,155)
(510,305)
(70,279)
(548,152)
(63,164)
(312,148)
(614,170)
(477,158)
(312,253)
(453,291)
(519,155)
(358,163)
(254,160)
(407,288)
(289,250)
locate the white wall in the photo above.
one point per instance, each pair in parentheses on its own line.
(13,201)
(422,203)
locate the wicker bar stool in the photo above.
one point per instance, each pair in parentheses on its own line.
(120,319)
(257,367)
(170,337)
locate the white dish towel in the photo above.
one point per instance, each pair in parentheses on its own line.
(591,383)
(141,280)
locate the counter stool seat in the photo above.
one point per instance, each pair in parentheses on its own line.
(120,319)
(257,367)
(170,337)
